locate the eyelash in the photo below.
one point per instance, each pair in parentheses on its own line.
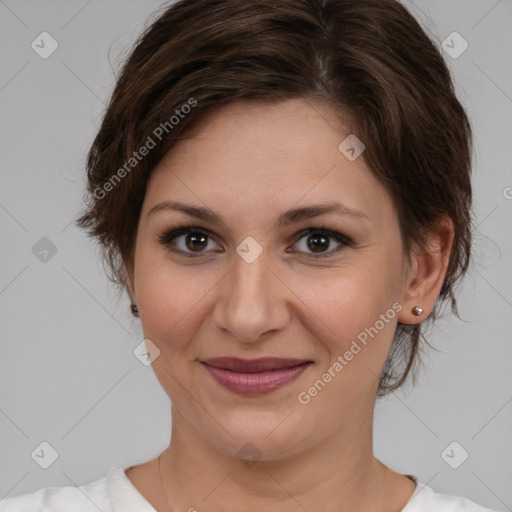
(166,238)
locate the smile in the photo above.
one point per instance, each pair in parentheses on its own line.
(257,376)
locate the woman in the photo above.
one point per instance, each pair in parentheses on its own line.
(283,190)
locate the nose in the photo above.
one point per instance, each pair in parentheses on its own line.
(252,301)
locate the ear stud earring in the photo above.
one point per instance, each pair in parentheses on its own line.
(135,309)
(417,311)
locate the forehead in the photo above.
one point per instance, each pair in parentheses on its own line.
(247,155)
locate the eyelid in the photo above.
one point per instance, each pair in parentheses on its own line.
(320,229)
(175,231)
(341,239)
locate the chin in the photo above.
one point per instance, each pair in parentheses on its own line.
(264,437)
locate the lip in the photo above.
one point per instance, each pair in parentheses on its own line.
(255,376)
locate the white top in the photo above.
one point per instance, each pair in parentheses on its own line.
(116,493)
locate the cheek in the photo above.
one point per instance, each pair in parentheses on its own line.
(358,312)
(167,312)
(171,299)
(353,306)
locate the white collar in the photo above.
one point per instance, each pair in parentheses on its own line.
(123,494)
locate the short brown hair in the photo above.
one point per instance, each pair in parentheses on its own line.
(369,60)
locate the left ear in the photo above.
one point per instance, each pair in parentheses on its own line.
(427,272)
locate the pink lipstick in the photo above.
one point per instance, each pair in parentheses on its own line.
(254,376)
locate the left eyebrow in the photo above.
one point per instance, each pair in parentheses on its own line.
(286,218)
(306,212)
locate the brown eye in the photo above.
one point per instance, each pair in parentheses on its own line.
(188,241)
(193,242)
(318,241)
(196,241)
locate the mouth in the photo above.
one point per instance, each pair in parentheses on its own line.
(255,376)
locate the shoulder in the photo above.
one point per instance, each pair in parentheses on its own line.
(111,493)
(89,497)
(426,499)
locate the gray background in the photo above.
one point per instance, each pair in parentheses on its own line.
(68,373)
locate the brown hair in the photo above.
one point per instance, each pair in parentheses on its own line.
(369,60)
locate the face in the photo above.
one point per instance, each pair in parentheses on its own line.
(249,281)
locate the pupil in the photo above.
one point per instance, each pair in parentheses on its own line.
(317,245)
(196,238)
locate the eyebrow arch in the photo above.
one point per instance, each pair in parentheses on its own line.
(286,218)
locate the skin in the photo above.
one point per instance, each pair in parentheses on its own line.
(249,162)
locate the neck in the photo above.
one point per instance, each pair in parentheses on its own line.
(340,474)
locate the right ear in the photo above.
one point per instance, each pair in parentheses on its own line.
(130,282)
